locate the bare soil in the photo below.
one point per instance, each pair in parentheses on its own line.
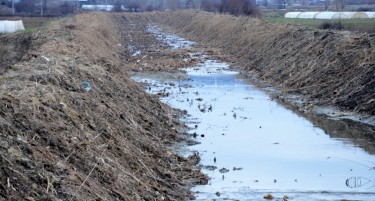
(60,142)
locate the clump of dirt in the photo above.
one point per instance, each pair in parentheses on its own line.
(12,48)
(330,68)
(74,126)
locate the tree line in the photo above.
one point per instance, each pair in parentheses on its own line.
(63,7)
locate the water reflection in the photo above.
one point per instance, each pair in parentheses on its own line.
(357,133)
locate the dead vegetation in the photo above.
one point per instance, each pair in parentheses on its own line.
(327,67)
(61,142)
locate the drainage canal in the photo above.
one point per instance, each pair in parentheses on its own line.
(252,147)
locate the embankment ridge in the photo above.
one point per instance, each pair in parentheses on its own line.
(61,142)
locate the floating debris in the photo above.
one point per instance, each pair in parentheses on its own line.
(237,169)
(357,182)
(268,197)
(223,170)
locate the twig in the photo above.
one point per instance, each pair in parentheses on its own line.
(87,177)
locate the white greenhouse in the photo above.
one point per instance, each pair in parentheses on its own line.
(11,26)
(370,14)
(292,14)
(352,15)
(330,15)
(307,15)
(98,7)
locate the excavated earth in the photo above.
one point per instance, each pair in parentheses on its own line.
(115,141)
(60,142)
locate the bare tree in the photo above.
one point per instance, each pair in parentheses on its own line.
(173,4)
(326,4)
(340,5)
(304,2)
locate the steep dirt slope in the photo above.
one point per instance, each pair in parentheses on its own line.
(330,68)
(61,142)
(12,48)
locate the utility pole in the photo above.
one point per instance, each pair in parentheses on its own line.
(13,7)
(41,7)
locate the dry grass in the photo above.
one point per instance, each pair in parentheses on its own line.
(60,142)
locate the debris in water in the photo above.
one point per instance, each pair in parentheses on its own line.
(210,167)
(223,170)
(236,169)
(274,181)
(210,108)
(214,159)
(356,182)
(268,197)
(217,194)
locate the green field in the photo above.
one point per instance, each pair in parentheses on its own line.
(361,25)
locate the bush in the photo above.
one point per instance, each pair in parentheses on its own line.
(117,7)
(66,8)
(331,25)
(364,9)
(239,7)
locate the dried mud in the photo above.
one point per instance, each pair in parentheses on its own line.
(329,68)
(61,142)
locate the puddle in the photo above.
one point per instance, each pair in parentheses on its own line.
(174,41)
(251,146)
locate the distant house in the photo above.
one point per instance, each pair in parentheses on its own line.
(77,3)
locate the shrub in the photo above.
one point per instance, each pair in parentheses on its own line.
(331,25)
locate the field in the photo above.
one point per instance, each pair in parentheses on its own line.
(361,25)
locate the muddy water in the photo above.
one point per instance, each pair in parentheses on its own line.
(252,146)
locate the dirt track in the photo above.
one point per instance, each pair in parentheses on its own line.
(58,141)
